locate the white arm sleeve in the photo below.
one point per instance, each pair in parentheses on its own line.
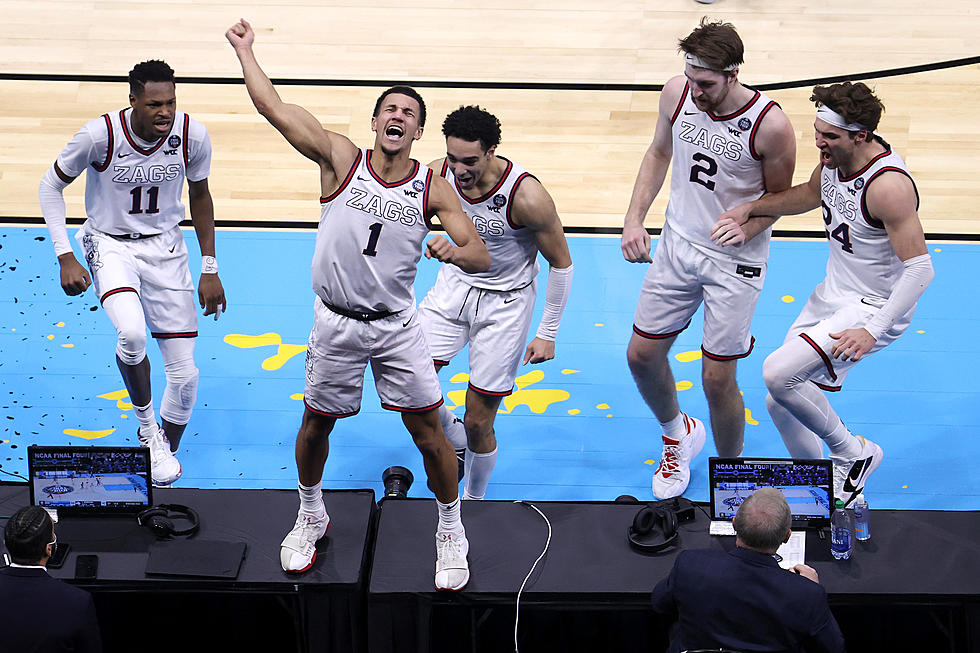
(915,278)
(556,296)
(51,194)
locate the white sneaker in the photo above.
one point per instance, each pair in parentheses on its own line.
(674,473)
(164,466)
(297,552)
(452,570)
(851,474)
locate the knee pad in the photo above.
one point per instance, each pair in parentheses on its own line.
(131,345)
(126,313)
(181,392)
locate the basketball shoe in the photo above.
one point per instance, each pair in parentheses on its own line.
(851,474)
(297,553)
(674,473)
(164,466)
(452,570)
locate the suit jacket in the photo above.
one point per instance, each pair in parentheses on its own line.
(41,614)
(743,600)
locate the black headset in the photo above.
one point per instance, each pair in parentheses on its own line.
(654,529)
(159,519)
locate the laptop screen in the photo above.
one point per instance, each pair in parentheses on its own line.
(806,484)
(97,480)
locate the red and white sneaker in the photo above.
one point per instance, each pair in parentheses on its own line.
(297,552)
(674,473)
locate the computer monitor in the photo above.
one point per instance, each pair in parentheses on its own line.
(90,480)
(808,486)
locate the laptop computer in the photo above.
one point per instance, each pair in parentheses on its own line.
(90,480)
(807,484)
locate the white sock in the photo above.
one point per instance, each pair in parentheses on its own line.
(478,467)
(449,521)
(676,428)
(453,427)
(311,499)
(147,419)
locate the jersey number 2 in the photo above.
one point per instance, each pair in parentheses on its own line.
(372,244)
(708,167)
(152,194)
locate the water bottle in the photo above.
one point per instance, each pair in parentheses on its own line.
(862,527)
(840,532)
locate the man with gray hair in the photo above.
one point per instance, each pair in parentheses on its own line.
(41,613)
(742,599)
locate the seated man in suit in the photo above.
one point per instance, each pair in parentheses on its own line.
(742,599)
(40,613)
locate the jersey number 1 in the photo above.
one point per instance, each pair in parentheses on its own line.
(372,244)
(152,194)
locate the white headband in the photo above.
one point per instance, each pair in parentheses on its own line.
(697,61)
(831,117)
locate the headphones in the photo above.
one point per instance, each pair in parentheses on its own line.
(159,519)
(654,529)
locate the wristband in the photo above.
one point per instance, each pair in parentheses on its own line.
(209,265)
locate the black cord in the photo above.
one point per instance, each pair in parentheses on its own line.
(13,474)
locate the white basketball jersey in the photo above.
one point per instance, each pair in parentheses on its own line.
(513,250)
(133,186)
(715,168)
(370,238)
(862,261)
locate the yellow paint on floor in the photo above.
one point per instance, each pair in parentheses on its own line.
(574,411)
(788,299)
(749,419)
(602,406)
(88,435)
(688,356)
(537,400)
(283,353)
(566,371)
(683,385)
(118,396)
(525,380)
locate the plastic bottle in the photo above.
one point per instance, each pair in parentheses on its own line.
(862,525)
(840,532)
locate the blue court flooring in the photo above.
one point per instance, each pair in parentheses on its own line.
(576,428)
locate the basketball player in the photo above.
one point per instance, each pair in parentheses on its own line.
(877,269)
(516,218)
(136,161)
(729,144)
(376,205)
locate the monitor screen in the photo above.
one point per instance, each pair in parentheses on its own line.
(97,480)
(806,484)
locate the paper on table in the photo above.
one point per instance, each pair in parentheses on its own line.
(793,551)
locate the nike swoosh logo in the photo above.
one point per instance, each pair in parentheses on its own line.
(690,113)
(122,154)
(407,322)
(360,178)
(512,299)
(172,249)
(855,474)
